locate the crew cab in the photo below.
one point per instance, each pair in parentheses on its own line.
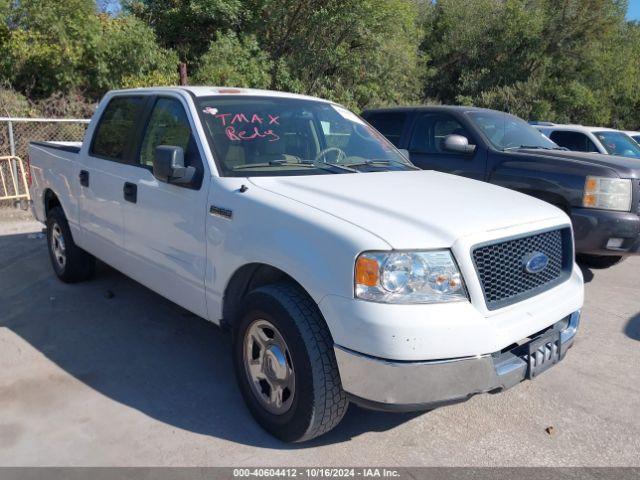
(343,272)
(601,193)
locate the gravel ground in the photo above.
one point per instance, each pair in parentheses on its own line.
(107,373)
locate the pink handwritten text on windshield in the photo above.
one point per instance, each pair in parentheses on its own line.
(247,126)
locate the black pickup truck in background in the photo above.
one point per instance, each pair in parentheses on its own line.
(601,193)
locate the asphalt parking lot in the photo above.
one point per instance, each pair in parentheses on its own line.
(107,373)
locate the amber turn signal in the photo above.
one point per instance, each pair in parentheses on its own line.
(591,185)
(367,271)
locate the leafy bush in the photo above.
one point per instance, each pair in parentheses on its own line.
(14,104)
(234,61)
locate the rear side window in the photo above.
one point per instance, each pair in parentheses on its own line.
(576,141)
(389,124)
(116,128)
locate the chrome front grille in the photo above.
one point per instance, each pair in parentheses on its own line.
(502,272)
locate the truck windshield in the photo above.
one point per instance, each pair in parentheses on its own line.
(507,132)
(271,136)
(618,143)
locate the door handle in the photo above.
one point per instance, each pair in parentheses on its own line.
(130,191)
(84,178)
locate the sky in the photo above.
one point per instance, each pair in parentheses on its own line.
(633,13)
(109,6)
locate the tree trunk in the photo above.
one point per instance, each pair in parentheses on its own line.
(182,70)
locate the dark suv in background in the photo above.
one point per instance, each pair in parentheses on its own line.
(600,193)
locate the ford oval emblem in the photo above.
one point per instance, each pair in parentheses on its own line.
(535,262)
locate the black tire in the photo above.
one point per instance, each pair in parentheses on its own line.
(599,261)
(318,402)
(78,265)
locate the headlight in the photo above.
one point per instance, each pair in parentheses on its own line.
(607,193)
(409,277)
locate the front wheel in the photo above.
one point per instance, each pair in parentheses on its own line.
(285,364)
(599,261)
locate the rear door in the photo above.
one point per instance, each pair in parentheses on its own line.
(102,175)
(390,124)
(165,223)
(426,146)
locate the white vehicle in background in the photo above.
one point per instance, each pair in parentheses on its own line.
(578,138)
(634,135)
(343,271)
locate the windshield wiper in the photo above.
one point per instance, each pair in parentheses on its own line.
(532,147)
(526,147)
(332,167)
(326,165)
(273,163)
(381,163)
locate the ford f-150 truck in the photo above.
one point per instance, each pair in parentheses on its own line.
(601,193)
(343,272)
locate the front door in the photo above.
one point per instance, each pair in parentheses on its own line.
(426,147)
(165,223)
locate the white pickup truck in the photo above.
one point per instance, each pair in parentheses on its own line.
(343,272)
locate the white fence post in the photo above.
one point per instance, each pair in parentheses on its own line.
(12,146)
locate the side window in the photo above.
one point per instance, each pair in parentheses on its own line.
(443,127)
(430,131)
(116,128)
(575,141)
(169,125)
(389,124)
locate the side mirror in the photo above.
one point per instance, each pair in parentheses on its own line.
(405,153)
(458,144)
(168,166)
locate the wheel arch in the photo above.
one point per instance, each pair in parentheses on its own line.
(247,278)
(50,200)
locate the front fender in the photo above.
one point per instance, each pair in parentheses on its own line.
(314,248)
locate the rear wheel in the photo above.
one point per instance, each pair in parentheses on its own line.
(285,364)
(70,263)
(599,261)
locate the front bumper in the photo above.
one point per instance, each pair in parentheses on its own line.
(409,386)
(593,229)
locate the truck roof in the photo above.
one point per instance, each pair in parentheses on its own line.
(433,108)
(574,128)
(203,91)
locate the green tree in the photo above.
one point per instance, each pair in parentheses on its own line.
(45,44)
(128,55)
(187,26)
(542,59)
(234,61)
(359,52)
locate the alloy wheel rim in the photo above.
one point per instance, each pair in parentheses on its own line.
(269,367)
(58,247)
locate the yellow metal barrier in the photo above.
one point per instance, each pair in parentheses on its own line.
(14,184)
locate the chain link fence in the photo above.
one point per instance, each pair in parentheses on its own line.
(15,135)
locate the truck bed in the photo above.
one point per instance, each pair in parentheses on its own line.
(55,167)
(73,147)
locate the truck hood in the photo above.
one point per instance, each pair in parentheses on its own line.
(413,209)
(625,167)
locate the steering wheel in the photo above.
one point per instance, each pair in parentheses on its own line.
(340,155)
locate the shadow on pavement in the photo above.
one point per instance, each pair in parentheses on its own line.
(632,328)
(141,350)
